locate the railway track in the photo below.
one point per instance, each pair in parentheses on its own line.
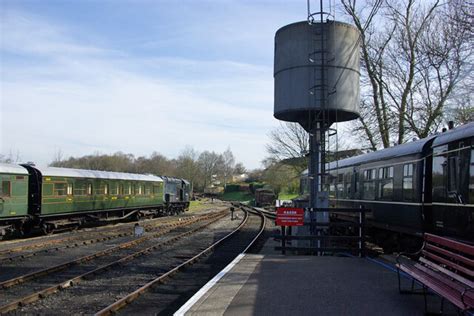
(30,247)
(17,291)
(166,293)
(106,285)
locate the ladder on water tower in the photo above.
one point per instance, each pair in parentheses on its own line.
(320,91)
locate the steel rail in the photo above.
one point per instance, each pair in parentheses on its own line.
(114,307)
(96,230)
(78,243)
(62,266)
(68,283)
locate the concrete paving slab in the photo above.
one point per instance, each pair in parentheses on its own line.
(306,285)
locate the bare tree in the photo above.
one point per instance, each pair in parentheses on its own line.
(239,168)
(188,167)
(11,157)
(57,158)
(289,142)
(413,56)
(209,163)
(228,163)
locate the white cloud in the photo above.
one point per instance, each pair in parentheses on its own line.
(83,98)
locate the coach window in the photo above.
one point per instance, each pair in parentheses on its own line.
(69,189)
(348,183)
(369,184)
(471,179)
(340,186)
(147,190)
(59,189)
(80,189)
(89,189)
(138,190)
(6,187)
(102,190)
(453,173)
(386,183)
(439,174)
(356,182)
(114,189)
(332,186)
(407,184)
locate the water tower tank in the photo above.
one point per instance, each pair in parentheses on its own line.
(302,89)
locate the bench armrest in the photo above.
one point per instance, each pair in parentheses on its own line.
(409,254)
(463,293)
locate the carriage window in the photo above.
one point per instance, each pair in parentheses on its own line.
(369,184)
(340,186)
(386,183)
(89,189)
(6,187)
(439,176)
(139,190)
(407,184)
(102,189)
(147,190)
(348,183)
(332,186)
(356,182)
(156,189)
(69,189)
(471,179)
(453,173)
(60,189)
(81,189)
(114,189)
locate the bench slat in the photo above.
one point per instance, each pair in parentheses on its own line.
(459,287)
(453,275)
(453,244)
(448,263)
(448,253)
(437,287)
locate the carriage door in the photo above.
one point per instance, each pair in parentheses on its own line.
(471,178)
(1,196)
(5,193)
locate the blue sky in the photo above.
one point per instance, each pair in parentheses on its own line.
(138,76)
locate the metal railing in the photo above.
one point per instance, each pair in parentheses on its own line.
(324,238)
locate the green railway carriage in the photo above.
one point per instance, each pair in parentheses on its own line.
(59,198)
(71,190)
(13,192)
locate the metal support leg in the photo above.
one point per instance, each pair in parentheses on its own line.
(399,282)
(283,240)
(426,299)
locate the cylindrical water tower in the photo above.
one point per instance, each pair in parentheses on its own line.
(316,73)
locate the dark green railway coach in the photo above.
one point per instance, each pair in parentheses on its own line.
(13,194)
(50,198)
(58,194)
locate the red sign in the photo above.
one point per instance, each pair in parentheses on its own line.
(289,216)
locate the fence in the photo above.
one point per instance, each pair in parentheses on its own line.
(323,237)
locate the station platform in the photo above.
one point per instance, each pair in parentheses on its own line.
(269,284)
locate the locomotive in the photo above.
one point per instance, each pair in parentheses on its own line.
(421,186)
(62,198)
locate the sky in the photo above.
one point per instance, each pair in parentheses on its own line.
(79,77)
